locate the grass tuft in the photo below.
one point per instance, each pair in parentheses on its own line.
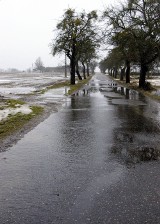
(12,103)
(17,121)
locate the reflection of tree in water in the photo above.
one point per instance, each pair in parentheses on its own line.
(82,92)
(129,93)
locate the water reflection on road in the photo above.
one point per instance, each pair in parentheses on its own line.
(79,167)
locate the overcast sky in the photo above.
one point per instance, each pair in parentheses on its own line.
(26,29)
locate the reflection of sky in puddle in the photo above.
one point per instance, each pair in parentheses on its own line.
(54,95)
(96,94)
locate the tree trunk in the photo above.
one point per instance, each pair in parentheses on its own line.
(111,72)
(65,74)
(73,64)
(87,69)
(84,70)
(127,93)
(128,71)
(122,73)
(122,90)
(142,78)
(77,71)
(115,72)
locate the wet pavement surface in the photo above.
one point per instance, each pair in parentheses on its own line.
(85,164)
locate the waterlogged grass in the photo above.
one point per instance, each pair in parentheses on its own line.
(150,94)
(13,103)
(77,86)
(17,121)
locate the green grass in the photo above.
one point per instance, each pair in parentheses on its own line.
(17,121)
(12,103)
(2,107)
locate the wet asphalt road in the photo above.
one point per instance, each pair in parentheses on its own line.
(76,166)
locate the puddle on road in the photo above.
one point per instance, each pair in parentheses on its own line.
(117,95)
(137,138)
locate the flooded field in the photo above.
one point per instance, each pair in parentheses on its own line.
(26,83)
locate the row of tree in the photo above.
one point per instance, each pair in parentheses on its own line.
(76,36)
(132,31)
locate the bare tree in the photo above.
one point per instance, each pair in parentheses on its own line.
(39,64)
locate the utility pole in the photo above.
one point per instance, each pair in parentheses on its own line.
(65,66)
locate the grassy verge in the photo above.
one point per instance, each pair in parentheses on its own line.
(14,122)
(59,85)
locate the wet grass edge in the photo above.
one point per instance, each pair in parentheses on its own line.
(73,88)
